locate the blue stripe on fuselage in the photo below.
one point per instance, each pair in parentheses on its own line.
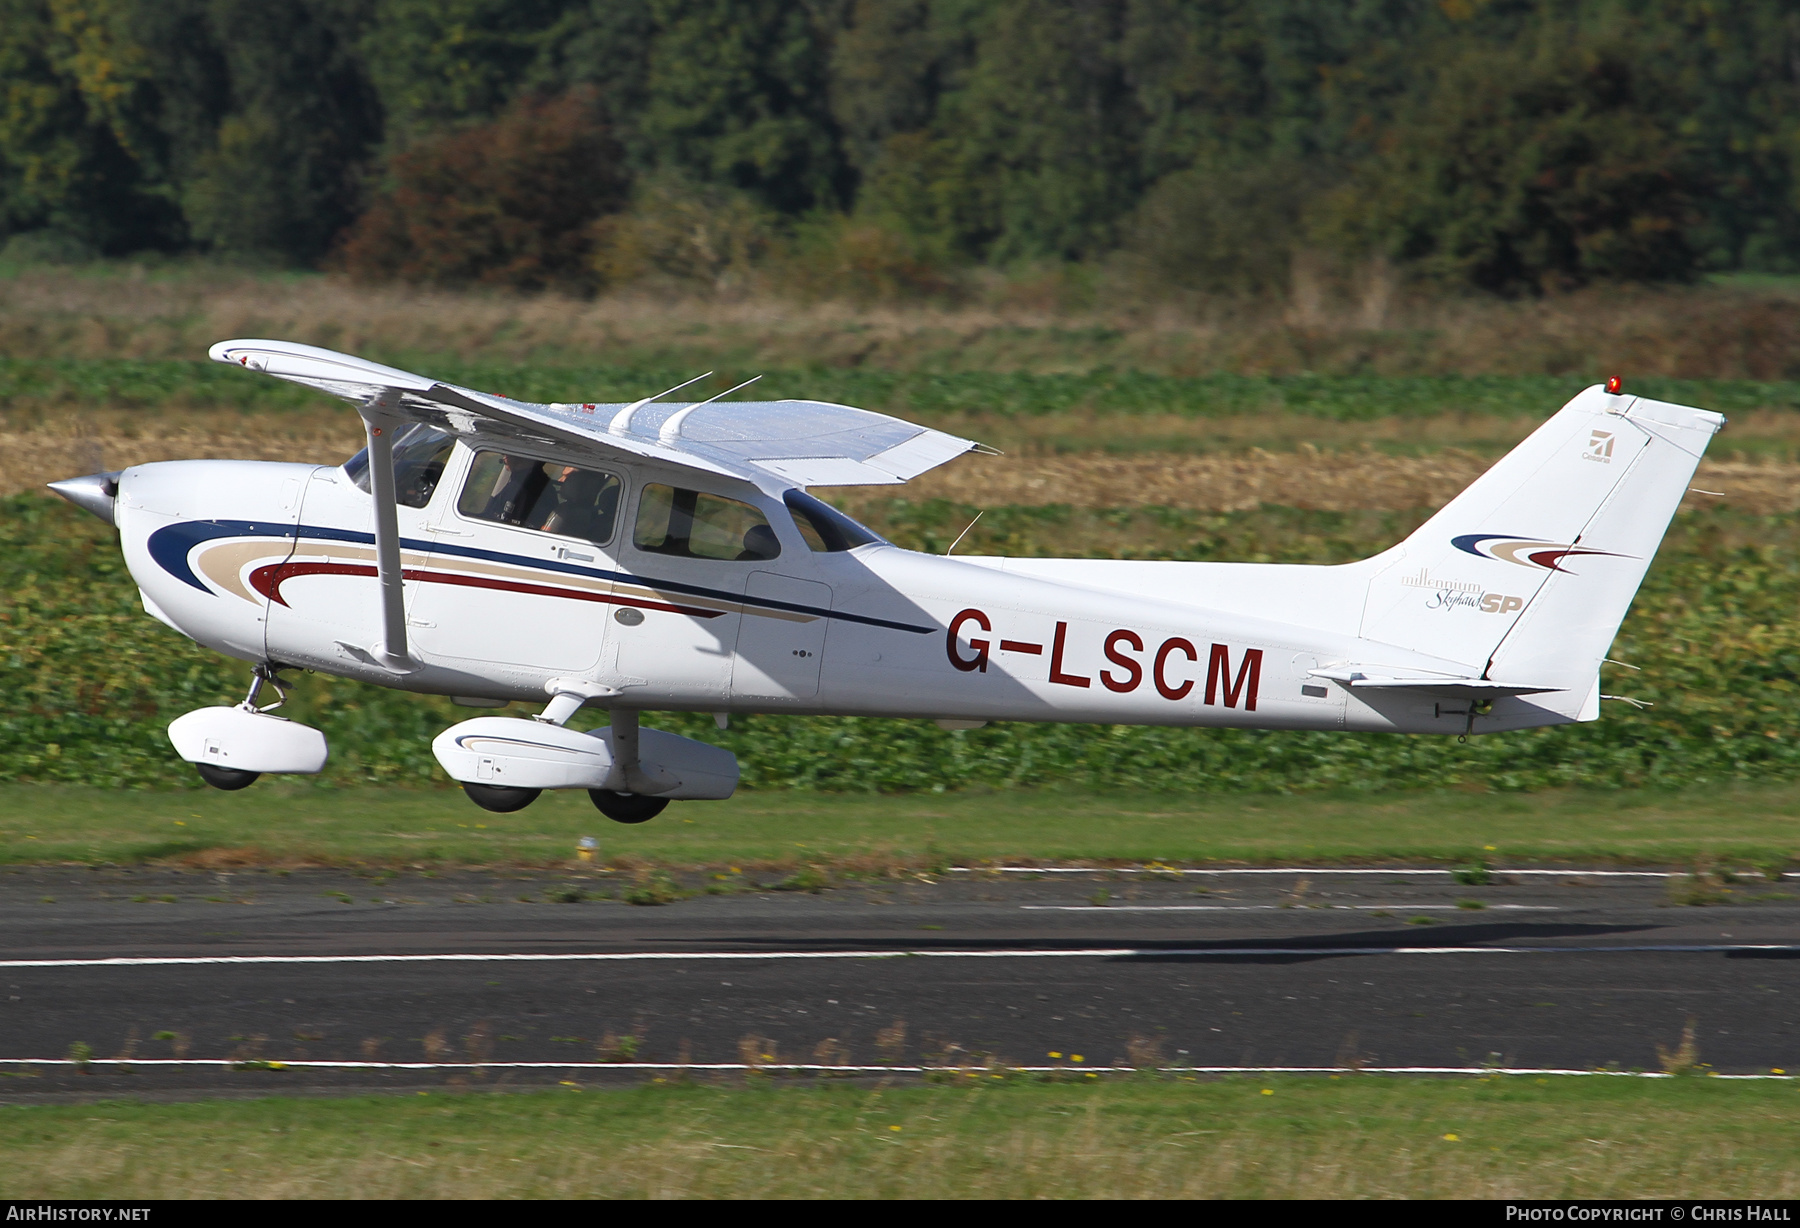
(170,546)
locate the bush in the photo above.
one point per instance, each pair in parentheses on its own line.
(683,235)
(48,247)
(1231,232)
(864,261)
(513,203)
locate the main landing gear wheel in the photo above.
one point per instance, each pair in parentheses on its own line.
(229,779)
(627,807)
(501,799)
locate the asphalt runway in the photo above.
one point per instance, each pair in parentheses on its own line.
(471,978)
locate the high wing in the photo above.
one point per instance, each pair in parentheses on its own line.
(773,443)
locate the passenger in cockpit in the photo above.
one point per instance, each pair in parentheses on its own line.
(760,542)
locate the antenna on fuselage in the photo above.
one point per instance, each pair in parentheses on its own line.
(965,532)
(621,422)
(671,430)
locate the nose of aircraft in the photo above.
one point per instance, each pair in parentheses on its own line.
(95,493)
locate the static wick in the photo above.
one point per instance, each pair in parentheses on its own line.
(965,532)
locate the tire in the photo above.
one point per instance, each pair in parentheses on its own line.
(500,799)
(627,807)
(229,779)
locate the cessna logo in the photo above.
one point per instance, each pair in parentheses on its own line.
(1599,447)
(1172,668)
(1524,551)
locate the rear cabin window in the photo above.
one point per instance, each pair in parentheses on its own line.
(695,525)
(546,495)
(825,529)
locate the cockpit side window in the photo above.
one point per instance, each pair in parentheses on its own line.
(693,524)
(826,529)
(546,495)
(420,454)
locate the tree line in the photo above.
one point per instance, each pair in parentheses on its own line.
(1210,146)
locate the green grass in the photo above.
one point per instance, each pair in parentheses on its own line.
(1344,1137)
(276,823)
(36,384)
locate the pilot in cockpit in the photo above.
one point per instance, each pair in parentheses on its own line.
(515,487)
(576,509)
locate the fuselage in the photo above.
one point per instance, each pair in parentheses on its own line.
(276,563)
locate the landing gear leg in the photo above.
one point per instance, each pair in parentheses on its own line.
(266,672)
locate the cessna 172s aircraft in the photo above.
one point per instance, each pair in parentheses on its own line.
(660,555)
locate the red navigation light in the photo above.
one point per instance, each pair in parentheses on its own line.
(1614,385)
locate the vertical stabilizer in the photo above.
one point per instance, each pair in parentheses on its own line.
(1526,575)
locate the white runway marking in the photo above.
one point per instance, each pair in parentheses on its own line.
(1286,908)
(812,1068)
(175,961)
(1168,870)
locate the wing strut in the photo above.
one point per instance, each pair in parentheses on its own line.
(381,425)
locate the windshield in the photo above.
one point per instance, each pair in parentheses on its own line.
(420,454)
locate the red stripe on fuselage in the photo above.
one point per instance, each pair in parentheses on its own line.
(268,581)
(1552,559)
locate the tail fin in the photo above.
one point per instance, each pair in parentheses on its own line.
(1526,575)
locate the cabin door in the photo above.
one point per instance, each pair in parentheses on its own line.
(519,579)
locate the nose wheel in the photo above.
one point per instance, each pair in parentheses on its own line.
(627,807)
(500,799)
(229,779)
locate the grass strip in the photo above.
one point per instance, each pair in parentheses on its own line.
(283,824)
(983,1137)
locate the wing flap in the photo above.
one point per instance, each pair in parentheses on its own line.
(829,471)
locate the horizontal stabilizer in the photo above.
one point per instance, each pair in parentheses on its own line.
(1437,688)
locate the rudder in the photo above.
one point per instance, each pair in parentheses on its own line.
(1526,575)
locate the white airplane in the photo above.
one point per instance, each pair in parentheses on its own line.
(666,556)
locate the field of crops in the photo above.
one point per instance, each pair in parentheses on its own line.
(91,680)
(1151,463)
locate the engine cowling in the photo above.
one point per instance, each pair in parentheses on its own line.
(523,754)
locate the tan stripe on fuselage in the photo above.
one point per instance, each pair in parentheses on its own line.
(224,566)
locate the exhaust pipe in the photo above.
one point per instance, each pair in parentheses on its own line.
(96,493)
